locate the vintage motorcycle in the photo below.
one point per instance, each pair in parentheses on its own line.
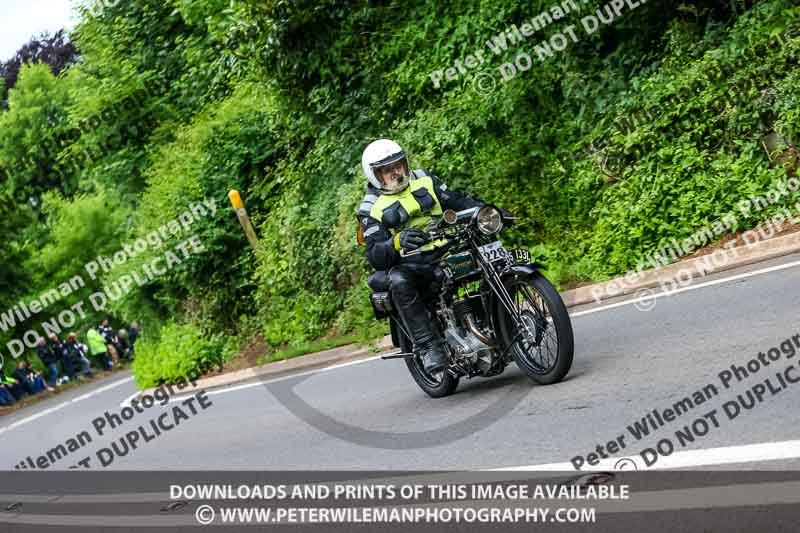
(490,306)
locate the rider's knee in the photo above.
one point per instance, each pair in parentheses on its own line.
(401,282)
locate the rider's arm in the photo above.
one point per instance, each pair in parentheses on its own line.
(450,199)
(382,253)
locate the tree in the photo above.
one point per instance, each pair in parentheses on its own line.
(55,50)
(32,134)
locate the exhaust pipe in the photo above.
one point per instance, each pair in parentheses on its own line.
(477,332)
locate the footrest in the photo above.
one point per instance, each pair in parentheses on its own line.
(399,355)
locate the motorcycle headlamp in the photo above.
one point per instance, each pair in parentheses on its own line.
(489,220)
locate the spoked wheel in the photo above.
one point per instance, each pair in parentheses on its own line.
(435,385)
(542,344)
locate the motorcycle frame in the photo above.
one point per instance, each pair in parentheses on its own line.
(493,290)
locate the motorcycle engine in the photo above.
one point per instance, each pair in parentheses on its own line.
(466,344)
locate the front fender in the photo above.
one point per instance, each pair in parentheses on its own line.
(523,270)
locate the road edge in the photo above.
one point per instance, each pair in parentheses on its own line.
(721,260)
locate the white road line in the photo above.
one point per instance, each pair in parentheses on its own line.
(726,455)
(658,295)
(65,404)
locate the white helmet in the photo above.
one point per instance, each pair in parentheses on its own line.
(381,155)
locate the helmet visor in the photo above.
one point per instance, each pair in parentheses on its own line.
(393,174)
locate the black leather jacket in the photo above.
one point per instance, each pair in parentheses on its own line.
(381,253)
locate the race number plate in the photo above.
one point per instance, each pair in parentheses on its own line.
(493,251)
(521,257)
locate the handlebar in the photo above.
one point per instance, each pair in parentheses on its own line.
(451,220)
(435,230)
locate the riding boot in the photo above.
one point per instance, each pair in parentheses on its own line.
(412,311)
(433,357)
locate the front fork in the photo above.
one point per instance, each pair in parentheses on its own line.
(501,294)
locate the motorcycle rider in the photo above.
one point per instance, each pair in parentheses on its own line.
(398,204)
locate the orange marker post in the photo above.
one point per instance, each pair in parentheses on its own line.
(244,220)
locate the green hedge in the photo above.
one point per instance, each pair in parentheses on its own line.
(181,352)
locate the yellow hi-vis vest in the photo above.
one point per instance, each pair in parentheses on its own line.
(413,207)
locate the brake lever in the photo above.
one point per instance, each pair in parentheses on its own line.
(403,253)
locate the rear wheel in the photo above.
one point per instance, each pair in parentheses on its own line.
(437,385)
(543,345)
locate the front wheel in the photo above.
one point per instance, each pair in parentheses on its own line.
(542,345)
(436,386)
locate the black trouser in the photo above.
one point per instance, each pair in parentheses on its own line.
(406,284)
(16,390)
(69,367)
(105,361)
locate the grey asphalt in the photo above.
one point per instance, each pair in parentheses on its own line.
(371,415)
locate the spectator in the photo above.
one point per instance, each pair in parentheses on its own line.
(32,382)
(106,331)
(108,336)
(83,353)
(133,334)
(12,385)
(38,377)
(6,398)
(49,360)
(98,349)
(86,364)
(122,345)
(59,350)
(76,357)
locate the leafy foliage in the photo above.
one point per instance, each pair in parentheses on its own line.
(33,129)
(183,352)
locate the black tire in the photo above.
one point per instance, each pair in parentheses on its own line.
(432,387)
(544,370)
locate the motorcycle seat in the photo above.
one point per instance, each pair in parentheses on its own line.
(379,281)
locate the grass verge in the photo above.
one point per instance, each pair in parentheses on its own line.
(304,348)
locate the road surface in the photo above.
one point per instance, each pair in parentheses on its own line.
(371,415)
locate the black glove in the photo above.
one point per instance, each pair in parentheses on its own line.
(410,239)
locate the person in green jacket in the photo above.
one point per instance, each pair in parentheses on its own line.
(12,385)
(98,349)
